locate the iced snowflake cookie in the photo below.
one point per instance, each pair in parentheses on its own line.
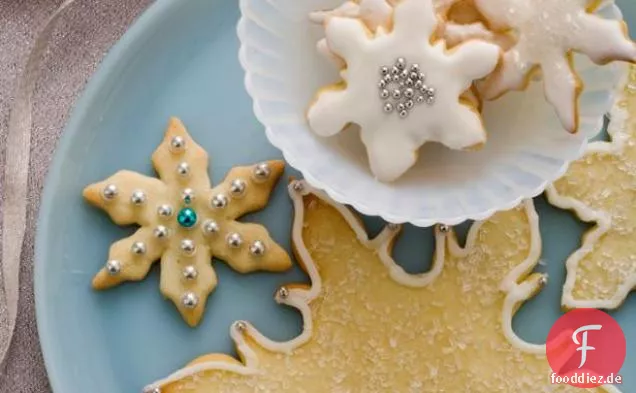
(401,89)
(548,32)
(378,15)
(184,222)
(371,327)
(601,189)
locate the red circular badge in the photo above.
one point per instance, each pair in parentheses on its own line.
(586,348)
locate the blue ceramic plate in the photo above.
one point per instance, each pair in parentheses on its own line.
(180,59)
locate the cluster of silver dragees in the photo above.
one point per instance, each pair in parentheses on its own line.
(402,88)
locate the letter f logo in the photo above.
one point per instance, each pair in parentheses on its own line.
(583,346)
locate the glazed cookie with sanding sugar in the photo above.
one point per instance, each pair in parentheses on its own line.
(548,33)
(401,89)
(369,326)
(184,222)
(601,189)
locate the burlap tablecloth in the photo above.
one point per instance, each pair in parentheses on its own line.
(84,34)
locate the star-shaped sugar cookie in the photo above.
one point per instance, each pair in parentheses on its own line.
(548,33)
(371,327)
(401,89)
(184,222)
(601,189)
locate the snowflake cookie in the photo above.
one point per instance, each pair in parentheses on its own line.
(185,223)
(548,32)
(401,89)
(371,327)
(378,15)
(601,189)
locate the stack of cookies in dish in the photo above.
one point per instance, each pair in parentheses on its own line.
(417,71)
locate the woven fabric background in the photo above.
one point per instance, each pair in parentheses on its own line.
(86,32)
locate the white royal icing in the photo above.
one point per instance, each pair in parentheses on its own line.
(516,289)
(391,141)
(548,31)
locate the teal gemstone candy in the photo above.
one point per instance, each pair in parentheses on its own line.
(187,217)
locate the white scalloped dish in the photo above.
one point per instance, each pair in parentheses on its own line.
(527,147)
